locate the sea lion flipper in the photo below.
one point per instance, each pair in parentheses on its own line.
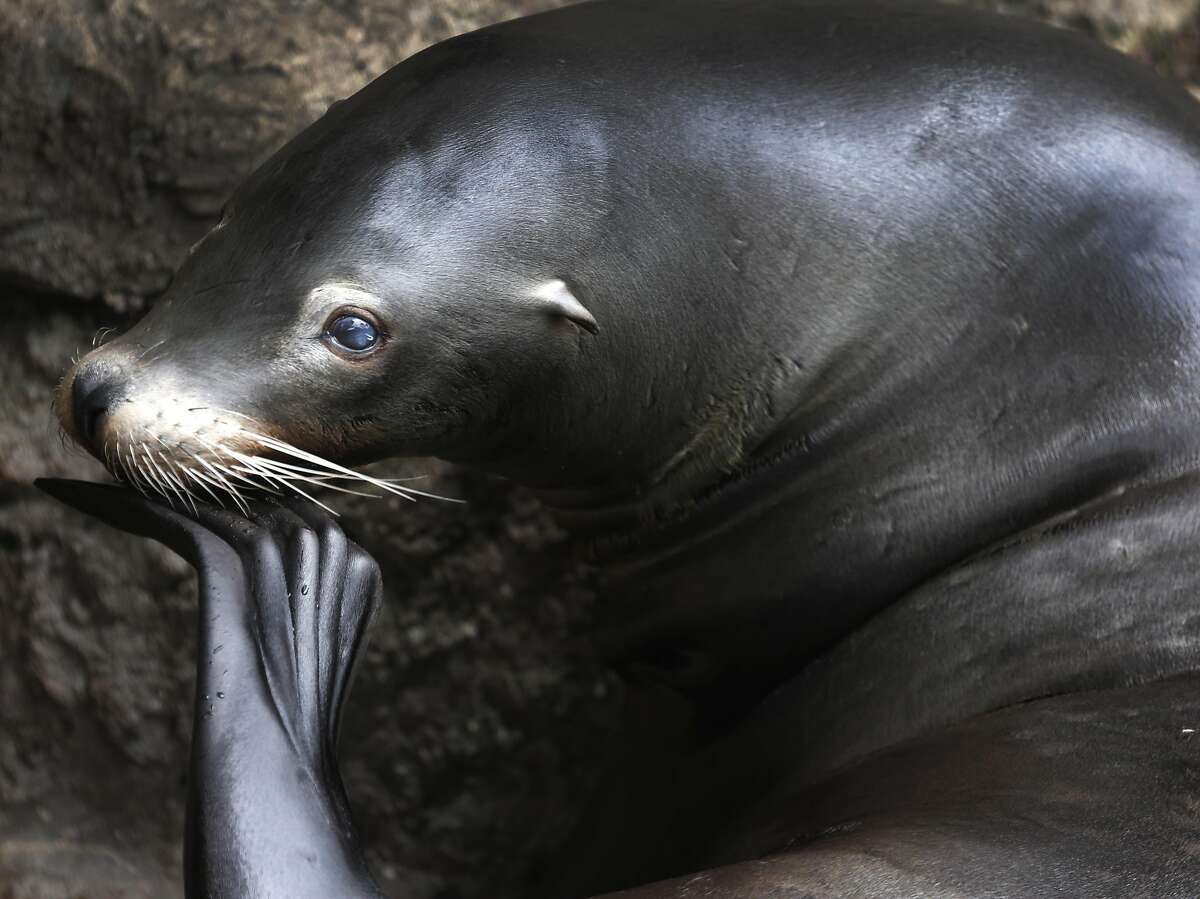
(127,510)
(284,606)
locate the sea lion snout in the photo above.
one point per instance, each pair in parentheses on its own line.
(90,391)
(96,388)
(129,411)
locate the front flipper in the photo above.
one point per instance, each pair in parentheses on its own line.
(285,601)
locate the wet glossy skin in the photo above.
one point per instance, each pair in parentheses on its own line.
(285,602)
(884,439)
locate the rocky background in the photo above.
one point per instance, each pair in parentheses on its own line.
(477,717)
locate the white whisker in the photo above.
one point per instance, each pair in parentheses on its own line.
(224,484)
(290,450)
(327,476)
(132,472)
(285,471)
(166,480)
(290,486)
(169,473)
(202,485)
(228,458)
(155,473)
(229,470)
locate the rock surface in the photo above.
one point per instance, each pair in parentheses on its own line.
(474,722)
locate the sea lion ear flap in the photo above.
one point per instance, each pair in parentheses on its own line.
(557,299)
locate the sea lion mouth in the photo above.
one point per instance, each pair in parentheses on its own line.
(259,463)
(187,452)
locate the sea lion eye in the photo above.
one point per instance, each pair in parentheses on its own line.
(353,333)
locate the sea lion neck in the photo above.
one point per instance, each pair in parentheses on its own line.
(897,461)
(730,597)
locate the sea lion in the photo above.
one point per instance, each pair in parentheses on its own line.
(859,341)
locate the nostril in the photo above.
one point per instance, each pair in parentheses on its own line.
(90,418)
(93,394)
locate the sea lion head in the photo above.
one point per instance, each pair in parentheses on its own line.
(387,284)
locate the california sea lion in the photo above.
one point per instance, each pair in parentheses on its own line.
(859,338)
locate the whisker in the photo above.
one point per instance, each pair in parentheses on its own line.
(233,492)
(186,471)
(213,470)
(155,473)
(312,499)
(132,475)
(290,486)
(317,481)
(314,476)
(288,449)
(137,479)
(150,349)
(169,474)
(230,471)
(179,471)
(254,472)
(253,467)
(203,486)
(324,476)
(347,473)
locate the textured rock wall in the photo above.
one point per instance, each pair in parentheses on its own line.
(474,723)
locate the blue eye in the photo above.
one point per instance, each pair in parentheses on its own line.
(353,332)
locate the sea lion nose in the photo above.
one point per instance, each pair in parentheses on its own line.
(96,389)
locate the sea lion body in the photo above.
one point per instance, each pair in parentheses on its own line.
(859,340)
